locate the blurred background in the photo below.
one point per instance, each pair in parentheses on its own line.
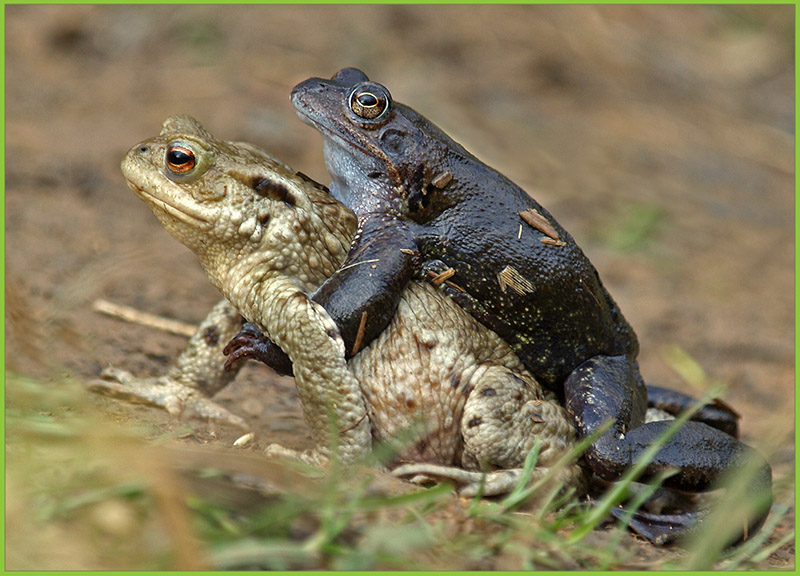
(661,137)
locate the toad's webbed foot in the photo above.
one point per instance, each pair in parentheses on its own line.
(610,389)
(665,516)
(662,529)
(311,457)
(197,374)
(164,392)
(251,343)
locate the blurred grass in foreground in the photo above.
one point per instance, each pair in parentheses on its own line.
(84,493)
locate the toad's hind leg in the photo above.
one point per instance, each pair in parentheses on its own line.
(716,413)
(197,374)
(609,388)
(504,417)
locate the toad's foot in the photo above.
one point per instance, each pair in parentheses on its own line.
(164,392)
(197,374)
(470,483)
(309,457)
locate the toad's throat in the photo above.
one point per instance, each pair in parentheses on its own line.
(369,151)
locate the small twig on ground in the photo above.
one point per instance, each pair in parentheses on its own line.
(135,316)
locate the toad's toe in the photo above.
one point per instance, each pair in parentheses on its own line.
(163,392)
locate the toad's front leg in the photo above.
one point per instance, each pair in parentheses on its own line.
(333,405)
(361,296)
(187,388)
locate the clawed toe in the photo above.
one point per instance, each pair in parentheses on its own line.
(246,344)
(235,351)
(243,345)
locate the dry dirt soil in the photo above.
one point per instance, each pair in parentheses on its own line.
(661,137)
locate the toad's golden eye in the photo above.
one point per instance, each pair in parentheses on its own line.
(180,159)
(369,101)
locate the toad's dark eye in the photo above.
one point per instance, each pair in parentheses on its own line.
(370,101)
(180,159)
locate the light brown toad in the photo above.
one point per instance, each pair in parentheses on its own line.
(267,236)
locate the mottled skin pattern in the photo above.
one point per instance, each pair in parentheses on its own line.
(267,236)
(424,203)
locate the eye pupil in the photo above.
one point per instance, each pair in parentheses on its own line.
(367,99)
(180,160)
(179,157)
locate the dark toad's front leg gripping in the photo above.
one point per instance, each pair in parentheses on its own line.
(362,296)
(609,388)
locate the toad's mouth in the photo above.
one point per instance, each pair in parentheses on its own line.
(182,212)
(345,143)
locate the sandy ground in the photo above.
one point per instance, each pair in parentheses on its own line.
(662,138)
